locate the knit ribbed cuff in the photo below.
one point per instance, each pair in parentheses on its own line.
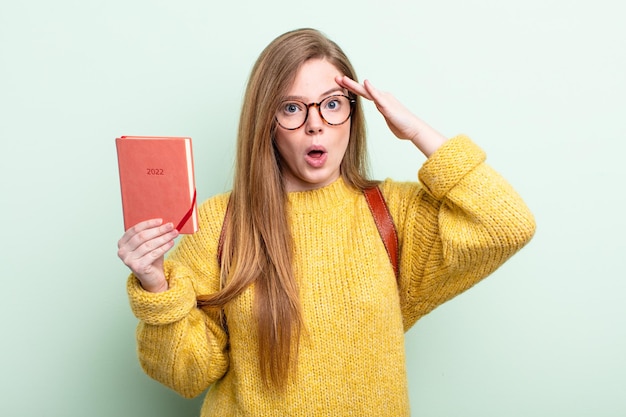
(449,164)
(164,307)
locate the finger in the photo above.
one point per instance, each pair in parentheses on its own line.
(368,91)
(154,251)
(143,234)
(387,104)
(148,239)
(145,241)
(347,82)
(140,258)
(376,95)
(139,227)
(371,90)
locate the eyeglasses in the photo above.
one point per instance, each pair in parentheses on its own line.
(334,110)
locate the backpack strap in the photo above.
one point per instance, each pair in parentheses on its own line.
(384,224)
(382,218)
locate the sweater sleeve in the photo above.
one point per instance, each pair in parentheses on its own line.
(455,228)
(178,344)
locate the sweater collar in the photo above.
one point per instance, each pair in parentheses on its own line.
(329,197)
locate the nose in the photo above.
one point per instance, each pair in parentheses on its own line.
(314,122)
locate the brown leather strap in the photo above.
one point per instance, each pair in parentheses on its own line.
(382,218)
(384,224)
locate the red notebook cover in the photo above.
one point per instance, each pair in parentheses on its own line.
(157,180)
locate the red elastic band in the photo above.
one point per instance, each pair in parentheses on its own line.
(188,214)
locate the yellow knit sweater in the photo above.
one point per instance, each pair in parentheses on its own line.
(456,226)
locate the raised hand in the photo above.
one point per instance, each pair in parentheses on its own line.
(402,122)
(142,249)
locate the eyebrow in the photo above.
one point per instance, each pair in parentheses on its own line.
(324,94)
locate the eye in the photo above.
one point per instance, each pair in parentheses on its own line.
(291,107)
(333,103)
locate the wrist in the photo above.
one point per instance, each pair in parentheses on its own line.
(424,137)
(161,286)
(428,140)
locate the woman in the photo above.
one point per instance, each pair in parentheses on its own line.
(294,308)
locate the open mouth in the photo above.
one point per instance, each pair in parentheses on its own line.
(316,153)
(316,156)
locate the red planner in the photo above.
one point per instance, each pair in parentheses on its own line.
(157,180)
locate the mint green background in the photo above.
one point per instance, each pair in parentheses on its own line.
(540,85)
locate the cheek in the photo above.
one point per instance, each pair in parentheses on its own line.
(344,139)
(284,144)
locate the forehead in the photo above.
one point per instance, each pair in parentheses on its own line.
(315,78)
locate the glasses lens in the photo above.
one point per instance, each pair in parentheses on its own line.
(291,114)
(336,109)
